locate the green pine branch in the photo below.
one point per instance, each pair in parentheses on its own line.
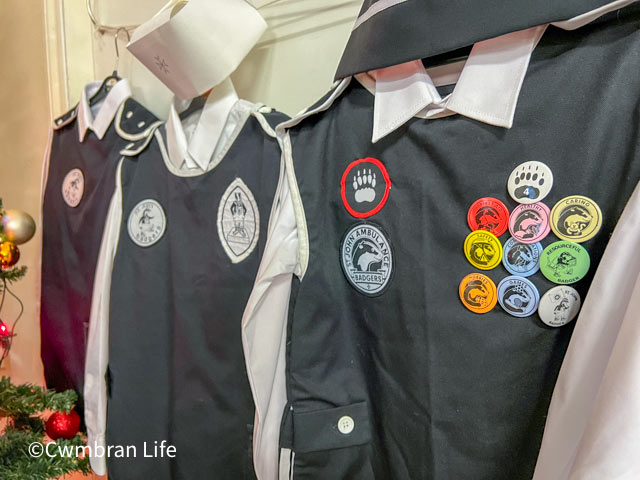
(17,464)
(20,400)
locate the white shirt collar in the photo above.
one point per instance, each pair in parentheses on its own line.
(198,150)
(487,89)
(106,112)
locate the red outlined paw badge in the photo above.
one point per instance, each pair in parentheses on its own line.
(365,187)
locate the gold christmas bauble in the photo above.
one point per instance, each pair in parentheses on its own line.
(9,254)
(19,227)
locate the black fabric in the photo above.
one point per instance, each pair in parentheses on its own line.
(70,245)
(176,363)
(419,28)
(452,394)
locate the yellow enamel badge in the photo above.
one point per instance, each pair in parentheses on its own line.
(478,293)
(576,219)
(483,250)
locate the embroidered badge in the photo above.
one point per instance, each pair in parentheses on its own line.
(73,187)
(365,187)
(478,293)
(238,221)
(147,223)
(366,258)
(576,218)
(518,296)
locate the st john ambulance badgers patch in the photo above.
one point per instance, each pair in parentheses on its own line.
(73,187)
(238,221)
(366,258)
(147,223)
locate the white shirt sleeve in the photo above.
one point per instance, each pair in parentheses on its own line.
(97,359)
(264,329)
(593,426)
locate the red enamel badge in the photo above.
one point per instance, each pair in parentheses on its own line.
(365,187)
(488,214)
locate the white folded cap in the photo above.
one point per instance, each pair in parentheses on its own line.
(198,47)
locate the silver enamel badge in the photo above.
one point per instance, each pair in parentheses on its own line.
(73,187)
(147,223)
(238,221)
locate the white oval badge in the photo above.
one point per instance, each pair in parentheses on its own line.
(147,223)
(238,221)
(73,187)
(366,258)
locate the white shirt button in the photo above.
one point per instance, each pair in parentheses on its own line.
(346,425)
(265,109)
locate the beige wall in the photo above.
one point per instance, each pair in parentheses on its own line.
(24,123)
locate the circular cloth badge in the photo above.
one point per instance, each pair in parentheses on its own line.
(488,214)
(483,250)
(559,306)
(365,187)
(73,187)
(518,296)
(521,259)
(478,293)
(530,182)
(147,223)
(529,223)
(576,218)
(564,262)
(366,258)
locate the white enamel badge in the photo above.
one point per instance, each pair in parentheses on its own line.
(366,258)
(147,223)
(73,187)
(238,221)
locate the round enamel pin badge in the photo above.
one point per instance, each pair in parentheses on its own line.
(483,250)
(478,293)
(521,259)
(564,262)
(147,223)
(365,187)
(559,306)
(73,187)
(238,221)
(518,296)
(576,219)
(529,223)
(366,258)
(488,214)
(530,182)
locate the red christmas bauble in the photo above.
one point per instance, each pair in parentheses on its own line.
(63,425)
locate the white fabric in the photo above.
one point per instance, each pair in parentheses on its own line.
(266,359)
(95,386)
(593,425)
(198,47)
(107,111)
(195,149)
(487,89)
